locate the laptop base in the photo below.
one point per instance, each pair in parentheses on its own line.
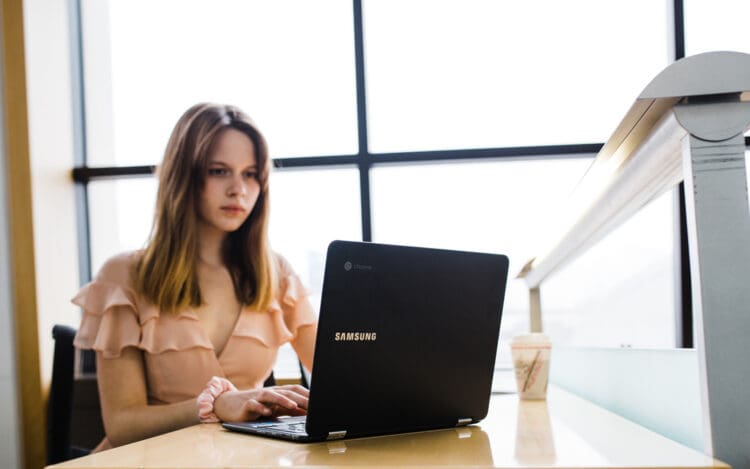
(290,428)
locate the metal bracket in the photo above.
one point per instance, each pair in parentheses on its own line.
(336,435)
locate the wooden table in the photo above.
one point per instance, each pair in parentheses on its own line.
(563,431)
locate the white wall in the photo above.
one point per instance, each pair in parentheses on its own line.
(49,91)
(9,418)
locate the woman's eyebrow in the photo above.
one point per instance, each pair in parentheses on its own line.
(227,165)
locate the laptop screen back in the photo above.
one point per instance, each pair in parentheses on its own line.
(406,340)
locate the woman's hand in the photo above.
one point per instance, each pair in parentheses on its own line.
(243,406)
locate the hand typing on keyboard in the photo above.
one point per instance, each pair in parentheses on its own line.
(243,406)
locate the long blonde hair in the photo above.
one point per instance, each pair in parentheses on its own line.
(166,274)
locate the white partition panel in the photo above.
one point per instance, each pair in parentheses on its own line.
(664,398)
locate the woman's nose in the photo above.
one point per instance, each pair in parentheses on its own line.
(237,186)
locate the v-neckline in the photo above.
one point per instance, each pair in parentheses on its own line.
(219,354)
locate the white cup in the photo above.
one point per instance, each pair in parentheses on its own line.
(531,355)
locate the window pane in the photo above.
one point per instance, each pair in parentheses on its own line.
(620,292)
(483,73)
(120,216)
(498,207)
(716,25)
(310,208)
(289,64)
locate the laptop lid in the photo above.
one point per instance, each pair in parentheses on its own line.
(406,339)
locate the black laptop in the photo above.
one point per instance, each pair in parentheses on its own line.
(406,342)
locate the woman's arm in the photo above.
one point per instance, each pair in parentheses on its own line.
(128,417)
(126,414)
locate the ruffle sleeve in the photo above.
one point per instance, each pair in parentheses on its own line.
(295,305)
(115,317)
(110,322)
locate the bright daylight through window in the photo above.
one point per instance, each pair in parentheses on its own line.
(481,118)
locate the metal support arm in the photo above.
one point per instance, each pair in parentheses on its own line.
(718,221)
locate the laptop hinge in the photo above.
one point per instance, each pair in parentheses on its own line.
(336,435)
(463,422)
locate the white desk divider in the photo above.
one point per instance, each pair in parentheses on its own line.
(688,123)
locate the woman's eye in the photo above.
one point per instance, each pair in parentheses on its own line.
(251,174)
(216,171)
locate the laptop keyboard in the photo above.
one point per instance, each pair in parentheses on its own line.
(293,425)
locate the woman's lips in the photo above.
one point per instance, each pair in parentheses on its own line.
(232,209)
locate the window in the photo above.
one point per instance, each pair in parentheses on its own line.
(475,206)
(120,213)
(310,208)
(716,25)
(483,73)
(294,76)
(472,120)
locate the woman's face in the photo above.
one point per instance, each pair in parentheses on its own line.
(231,185)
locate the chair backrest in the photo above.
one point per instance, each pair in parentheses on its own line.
(74,422)
(60,406)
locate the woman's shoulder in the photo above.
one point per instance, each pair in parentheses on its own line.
(289,282)
(119,268)
(284,268)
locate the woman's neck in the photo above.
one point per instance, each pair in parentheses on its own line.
(210,242)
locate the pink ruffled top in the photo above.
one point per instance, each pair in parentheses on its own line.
(179,358)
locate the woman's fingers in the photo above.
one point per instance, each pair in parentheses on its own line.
(265,402)
(274,396)
(253,407)
(300,399)
(282,400)
(301,390)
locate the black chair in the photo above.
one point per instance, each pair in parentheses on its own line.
(303,376)
(74,422)
(60,405)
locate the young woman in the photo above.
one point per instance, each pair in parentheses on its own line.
(187,329)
